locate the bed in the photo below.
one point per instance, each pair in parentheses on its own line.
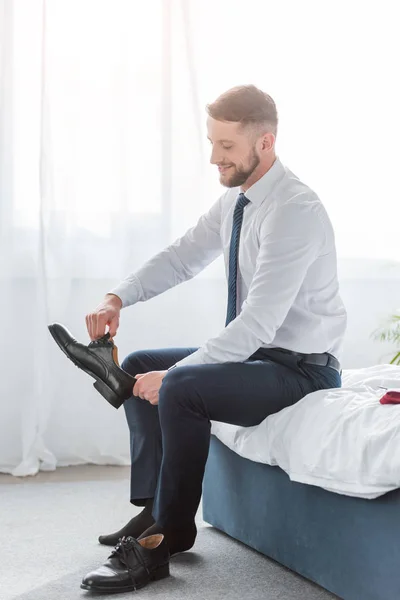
(330,513)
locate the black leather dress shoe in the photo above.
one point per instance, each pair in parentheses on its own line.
(99,360)
(131,565)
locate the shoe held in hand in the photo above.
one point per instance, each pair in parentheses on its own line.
(99,359)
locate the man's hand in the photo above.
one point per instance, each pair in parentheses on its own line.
(106,313)
(148,385)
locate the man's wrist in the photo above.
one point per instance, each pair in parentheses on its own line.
(114,299)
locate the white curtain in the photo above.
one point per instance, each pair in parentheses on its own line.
(104,162)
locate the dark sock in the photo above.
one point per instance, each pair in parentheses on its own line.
(135,527)
(178,539)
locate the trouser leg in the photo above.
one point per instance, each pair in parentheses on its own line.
(143,422)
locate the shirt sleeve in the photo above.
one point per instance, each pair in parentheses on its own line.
(290,241)
(177,263)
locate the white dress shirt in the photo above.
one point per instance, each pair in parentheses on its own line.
(288,290)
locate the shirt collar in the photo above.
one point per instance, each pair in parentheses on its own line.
(263,187)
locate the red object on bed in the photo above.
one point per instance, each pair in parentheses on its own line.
(391,397)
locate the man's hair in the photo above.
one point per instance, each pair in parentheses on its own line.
(247,105)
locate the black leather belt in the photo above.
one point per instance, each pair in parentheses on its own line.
(324,359)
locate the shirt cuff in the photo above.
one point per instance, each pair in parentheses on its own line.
(129,290)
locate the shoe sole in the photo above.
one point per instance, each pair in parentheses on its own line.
(157,574)
(99,385)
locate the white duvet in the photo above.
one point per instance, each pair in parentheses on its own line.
(343,439)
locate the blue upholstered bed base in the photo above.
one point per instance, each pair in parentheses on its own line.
(350,546)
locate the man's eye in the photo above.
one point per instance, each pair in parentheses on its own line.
(227,147)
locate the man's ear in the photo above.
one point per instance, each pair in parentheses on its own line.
(268,141)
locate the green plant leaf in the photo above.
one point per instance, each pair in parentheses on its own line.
(396,358)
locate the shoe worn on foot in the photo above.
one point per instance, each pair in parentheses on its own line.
(178,539)
(99,360)
(133,528)
(131,565)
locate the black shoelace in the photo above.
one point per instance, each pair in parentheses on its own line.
(105,339)
(122,549)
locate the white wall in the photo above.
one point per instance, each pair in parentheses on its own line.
(370,290)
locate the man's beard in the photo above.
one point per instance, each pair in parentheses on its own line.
(240,176)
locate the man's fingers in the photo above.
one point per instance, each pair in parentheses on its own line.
(113,326)
(87,323)
(90,327)
(154,398)
(100,325)
(136,389)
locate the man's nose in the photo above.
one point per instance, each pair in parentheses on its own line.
(215,157)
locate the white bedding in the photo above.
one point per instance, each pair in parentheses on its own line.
(343,439)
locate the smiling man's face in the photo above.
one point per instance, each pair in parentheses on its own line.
(234,151)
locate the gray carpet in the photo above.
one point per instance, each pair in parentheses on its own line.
(49,527)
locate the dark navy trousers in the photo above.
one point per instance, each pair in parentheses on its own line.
(170,442)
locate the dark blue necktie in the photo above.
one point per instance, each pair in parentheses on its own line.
(233,256)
